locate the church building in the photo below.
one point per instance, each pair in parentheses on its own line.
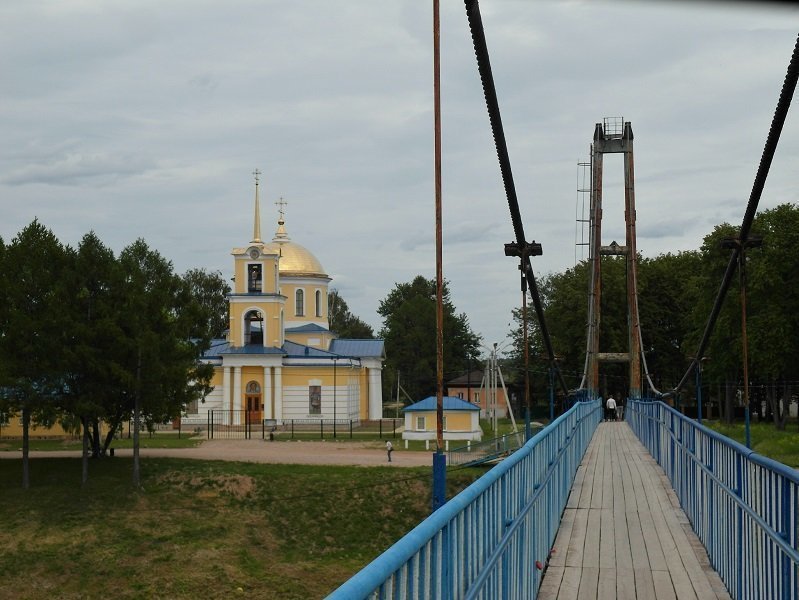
(280,360)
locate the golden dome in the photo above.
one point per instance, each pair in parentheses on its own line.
(294,258)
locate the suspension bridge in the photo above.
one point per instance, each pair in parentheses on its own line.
(656,506)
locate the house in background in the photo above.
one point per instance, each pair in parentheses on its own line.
(472,387)
(461,421)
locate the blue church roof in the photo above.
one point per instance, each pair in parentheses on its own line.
(339,348)
(359,348)
(450,403)
(294,350)
(252,349)
(220,347)
(309,328)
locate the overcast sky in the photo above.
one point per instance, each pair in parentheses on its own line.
(146,118)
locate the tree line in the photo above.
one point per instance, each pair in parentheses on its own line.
(676,294)
(90,338)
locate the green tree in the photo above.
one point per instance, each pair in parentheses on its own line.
(210,290)
(343,322)
(94,325)
(162,342)
(665,302)
(565,300)
(667,292)
(32,332)
(773,308)
(409,330)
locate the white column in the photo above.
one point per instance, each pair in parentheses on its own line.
(226,388)
(279,393)
(236,401)
(375,394)
(268,393)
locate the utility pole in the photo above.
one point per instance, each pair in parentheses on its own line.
(524,252)
(739,245)
(439,459)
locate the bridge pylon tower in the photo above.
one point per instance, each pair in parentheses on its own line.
(614,135)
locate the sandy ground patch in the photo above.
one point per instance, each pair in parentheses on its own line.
(295,452)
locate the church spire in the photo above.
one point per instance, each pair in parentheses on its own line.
(256,230)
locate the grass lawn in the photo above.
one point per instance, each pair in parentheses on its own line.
(201,529)
(782,446)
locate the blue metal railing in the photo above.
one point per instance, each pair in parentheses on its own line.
(479,452)
(485,541)
(743,507)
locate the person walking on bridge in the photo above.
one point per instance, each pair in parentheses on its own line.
(610,409)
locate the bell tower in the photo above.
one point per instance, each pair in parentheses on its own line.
(256,306)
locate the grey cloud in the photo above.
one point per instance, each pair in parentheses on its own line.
(77,169)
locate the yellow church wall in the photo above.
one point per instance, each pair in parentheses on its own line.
(271,312)
(249,374)
(289,289)
(268,264)
(363,380)
(299,376)
(13,429)
(314,340)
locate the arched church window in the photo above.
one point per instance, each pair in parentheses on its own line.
(254,327)
(299,297)
(318,303)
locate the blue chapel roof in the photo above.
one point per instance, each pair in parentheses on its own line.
(449,402)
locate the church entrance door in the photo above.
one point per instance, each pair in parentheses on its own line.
(252,397)
(253,409)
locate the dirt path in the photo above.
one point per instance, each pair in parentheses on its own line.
(297,452)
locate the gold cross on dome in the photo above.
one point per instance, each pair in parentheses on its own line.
(281,203)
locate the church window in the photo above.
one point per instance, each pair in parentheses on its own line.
(444,424)
(191,407)
(254,284)
(315,399)
(318,303)
(420,423)
(299,301)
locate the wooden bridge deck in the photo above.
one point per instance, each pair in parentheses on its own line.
(623,533)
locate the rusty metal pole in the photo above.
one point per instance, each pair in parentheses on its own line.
(634,336)
(744,343)
(527,427)
(595,257)
(439,460)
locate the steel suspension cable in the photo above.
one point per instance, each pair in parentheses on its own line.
(492,105)
(780,113)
